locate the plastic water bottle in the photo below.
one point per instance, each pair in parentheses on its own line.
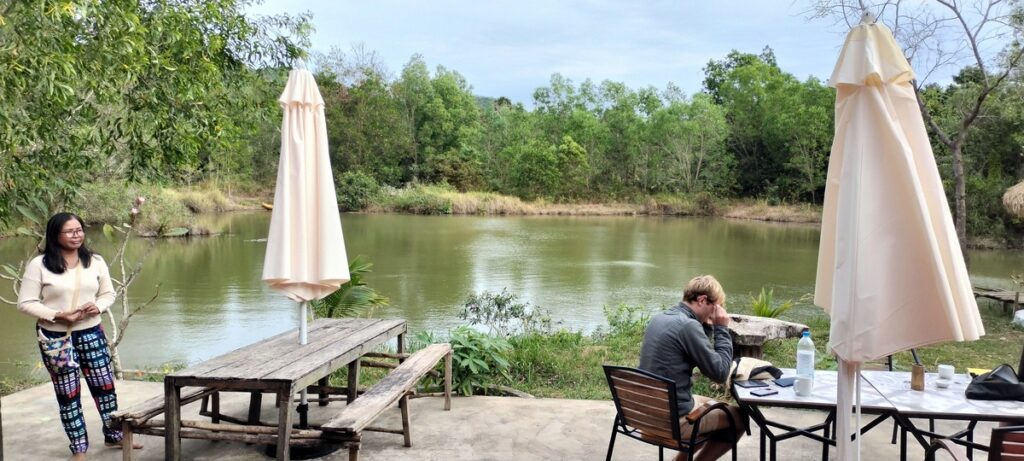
(805,356)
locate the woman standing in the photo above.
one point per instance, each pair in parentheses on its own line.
(66,288)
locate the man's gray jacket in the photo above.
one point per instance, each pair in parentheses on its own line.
(675,342)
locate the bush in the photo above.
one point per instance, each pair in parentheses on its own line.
(625,320)
(108,202)
(356,190)
(416,200)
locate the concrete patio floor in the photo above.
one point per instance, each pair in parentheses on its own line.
(477,428)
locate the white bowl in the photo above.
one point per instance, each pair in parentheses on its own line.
(942,383)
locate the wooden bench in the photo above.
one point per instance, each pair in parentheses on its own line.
(346,428)
(1009,299)
(136,419)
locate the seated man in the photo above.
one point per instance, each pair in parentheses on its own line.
(676,341)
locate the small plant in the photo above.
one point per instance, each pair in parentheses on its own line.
(477,360)
(504,315)
(763,304)
(353,298)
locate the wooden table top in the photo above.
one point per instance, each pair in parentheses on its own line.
(280,359)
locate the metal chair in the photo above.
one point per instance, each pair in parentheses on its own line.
(645,409)
(1006,444)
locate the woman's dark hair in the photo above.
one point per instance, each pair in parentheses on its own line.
(53,256)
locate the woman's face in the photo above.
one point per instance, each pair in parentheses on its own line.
(71,235)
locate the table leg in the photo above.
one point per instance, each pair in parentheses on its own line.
(284,421)
(172,413)
(255,405)
(215,404)
(826,431)
(401,345)
(970,438)
(353,381)
(323,395)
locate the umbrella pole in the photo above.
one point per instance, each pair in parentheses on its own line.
(303,407)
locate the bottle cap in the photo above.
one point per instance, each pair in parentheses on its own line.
(807,333)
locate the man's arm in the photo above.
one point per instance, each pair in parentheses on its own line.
(714,362)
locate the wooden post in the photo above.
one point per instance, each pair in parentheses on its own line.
(353,381)
(1,433)
(353,452)
(448,381)
(403,404)
(172,412)
(284,421)
(255,405)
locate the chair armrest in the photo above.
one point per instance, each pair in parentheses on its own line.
(697,413)
(956,451)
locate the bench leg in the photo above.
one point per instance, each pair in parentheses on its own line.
(284,421)
(403,404)
(126,441)
(448,381)
(353,452)
(172,421)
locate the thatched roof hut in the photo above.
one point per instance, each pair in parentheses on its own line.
(1013,200)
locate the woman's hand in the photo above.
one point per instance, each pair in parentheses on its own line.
(89,309)
(68,317)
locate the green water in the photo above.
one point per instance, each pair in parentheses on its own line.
(211,299)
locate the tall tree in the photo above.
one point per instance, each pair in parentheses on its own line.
(940,35)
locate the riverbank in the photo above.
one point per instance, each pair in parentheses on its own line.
(440,200)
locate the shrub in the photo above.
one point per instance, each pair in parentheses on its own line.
(763,304)
(106,202)
(626,320)
(504,315)
(356,190)
(477,360)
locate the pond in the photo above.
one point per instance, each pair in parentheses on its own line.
(211,299)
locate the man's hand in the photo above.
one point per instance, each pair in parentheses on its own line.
(720,317)
(89,309)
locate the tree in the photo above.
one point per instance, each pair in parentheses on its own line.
(690,136)
(937,35)
(138,88)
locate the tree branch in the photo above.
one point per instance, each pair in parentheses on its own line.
(928,119)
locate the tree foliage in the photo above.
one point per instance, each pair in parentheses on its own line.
(137,89)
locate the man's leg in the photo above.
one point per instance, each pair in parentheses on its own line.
(711,422)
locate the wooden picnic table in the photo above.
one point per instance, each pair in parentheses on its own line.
(282,366)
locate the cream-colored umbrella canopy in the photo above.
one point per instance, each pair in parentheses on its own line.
(890,272)
(305,257)
(1013,200)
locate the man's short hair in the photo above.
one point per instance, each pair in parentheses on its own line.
(705,285)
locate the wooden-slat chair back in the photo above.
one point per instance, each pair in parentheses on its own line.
(1007,444)
(646,405)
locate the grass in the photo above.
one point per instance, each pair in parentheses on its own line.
(444,200)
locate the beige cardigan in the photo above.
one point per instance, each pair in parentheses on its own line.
(43,294)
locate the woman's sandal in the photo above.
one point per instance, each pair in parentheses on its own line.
(135,445)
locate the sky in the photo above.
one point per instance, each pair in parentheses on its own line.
(511,48)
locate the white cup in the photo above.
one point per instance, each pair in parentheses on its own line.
(942,383)
(946,371)
(803,386)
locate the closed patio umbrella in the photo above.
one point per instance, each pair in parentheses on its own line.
(890,271)
(305,256)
